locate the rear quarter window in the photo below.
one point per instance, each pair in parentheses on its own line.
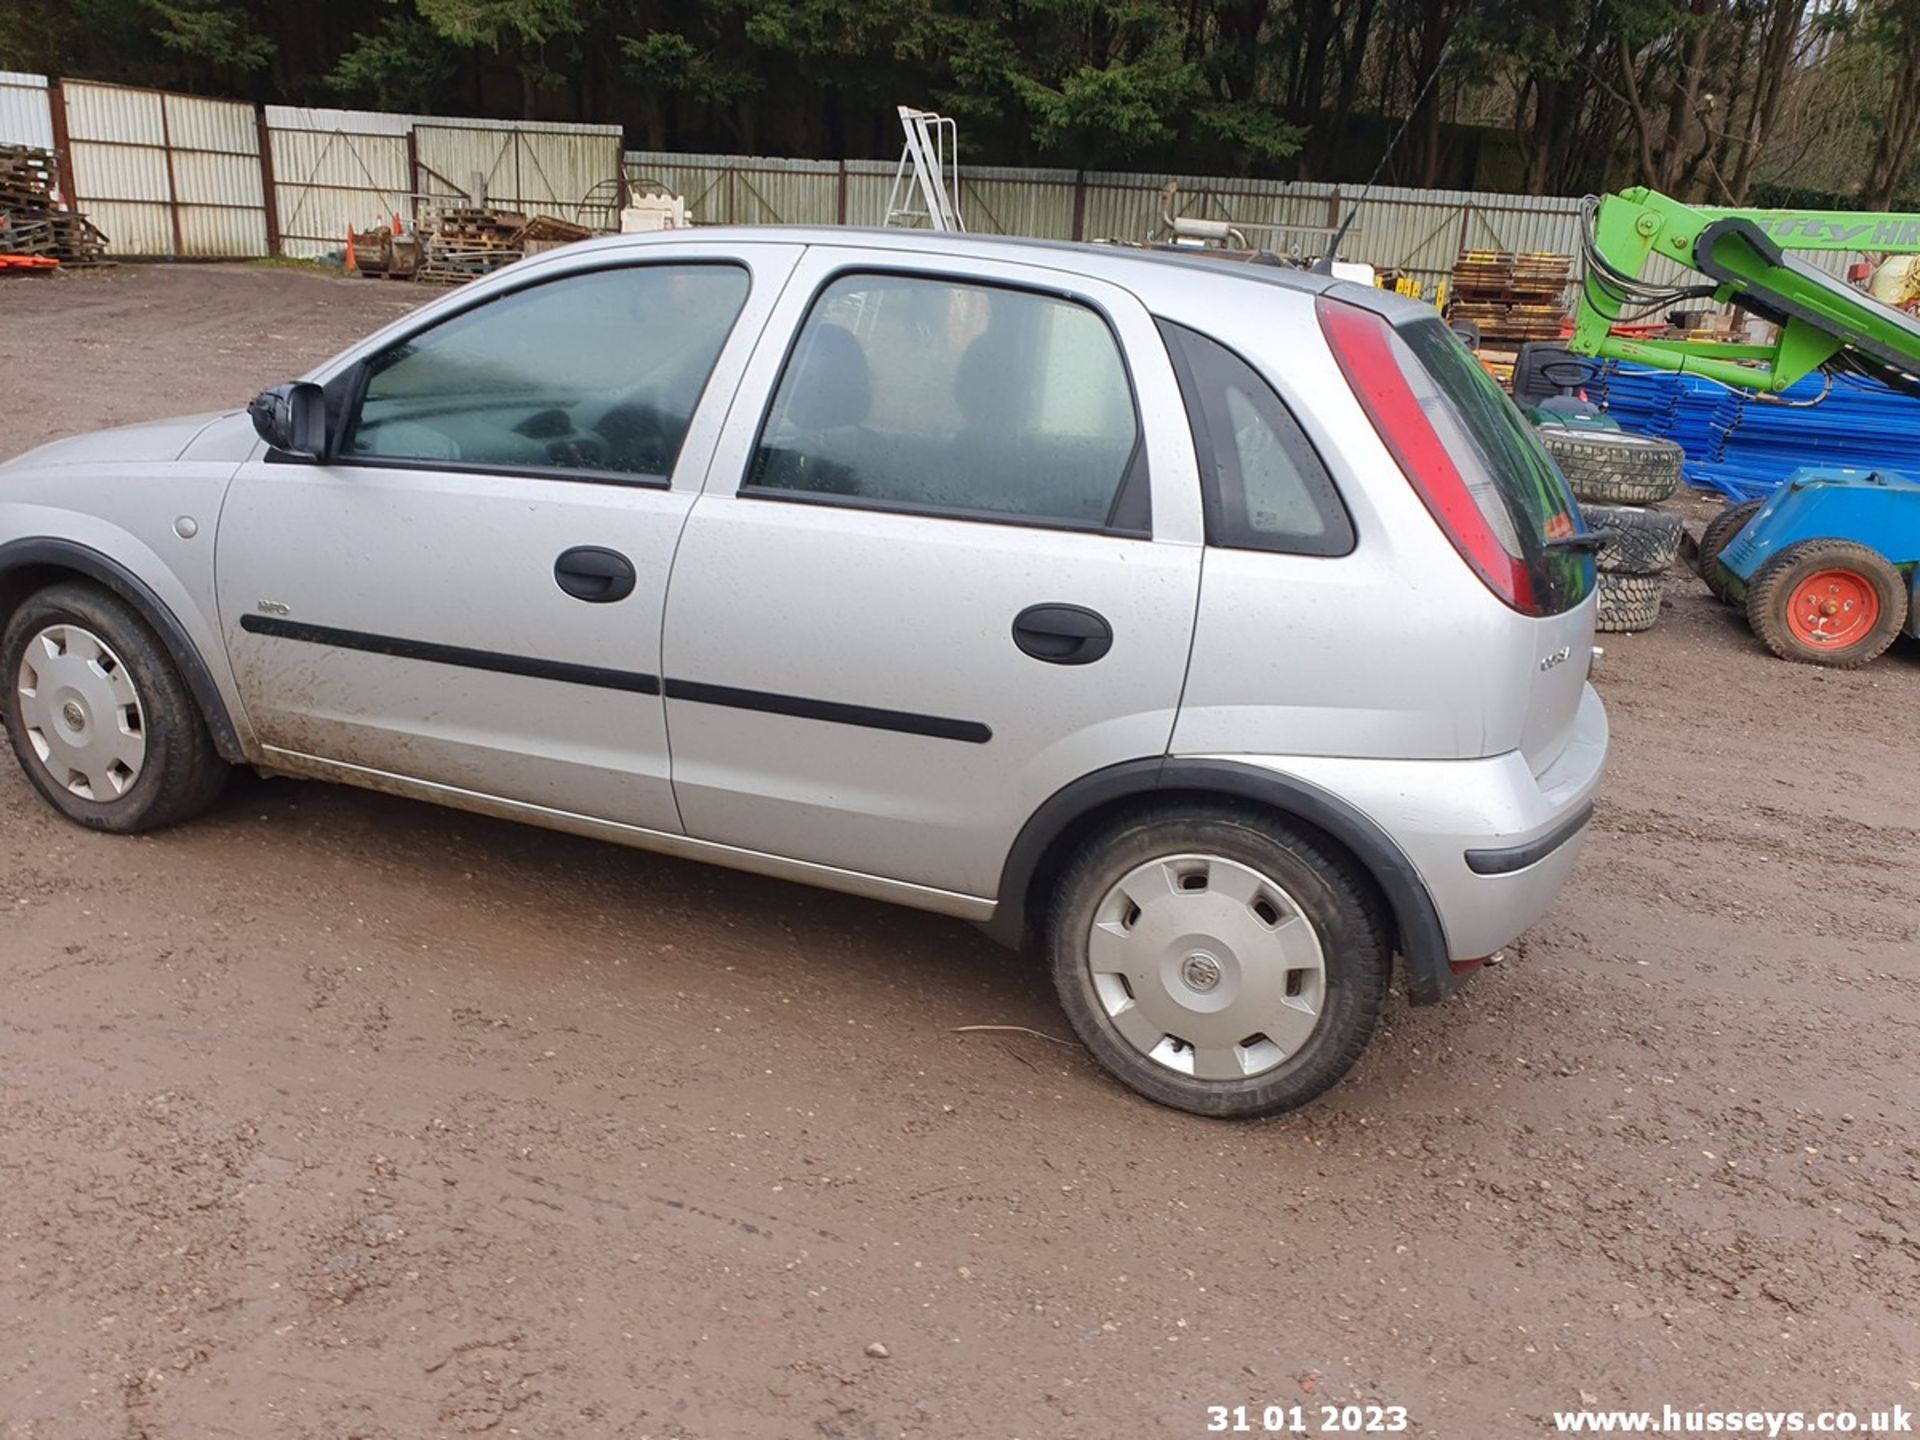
(1263,484)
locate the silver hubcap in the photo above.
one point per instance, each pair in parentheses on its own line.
(81,713)
(1207,967)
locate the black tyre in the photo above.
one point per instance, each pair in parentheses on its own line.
(1628,602)
(1218,961)
(1639,539)
(98,716)
(1613,467)
(1827,602)
(1719,534)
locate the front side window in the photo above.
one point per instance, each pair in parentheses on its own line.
(907,392)
(598,373)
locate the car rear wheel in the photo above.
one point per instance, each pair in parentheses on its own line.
(1219,962)
(1827,602)
(98,716)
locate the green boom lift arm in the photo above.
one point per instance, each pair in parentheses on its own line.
(1745,258)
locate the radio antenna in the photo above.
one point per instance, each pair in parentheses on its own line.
(1324,265)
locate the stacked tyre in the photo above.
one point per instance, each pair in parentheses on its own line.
(1620,480)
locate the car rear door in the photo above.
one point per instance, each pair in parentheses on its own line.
(946,562)
(468,591)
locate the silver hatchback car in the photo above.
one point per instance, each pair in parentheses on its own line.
(1220,630)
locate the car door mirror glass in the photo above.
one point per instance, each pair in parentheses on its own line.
(292,417)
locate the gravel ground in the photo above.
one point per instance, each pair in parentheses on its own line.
(335,1115)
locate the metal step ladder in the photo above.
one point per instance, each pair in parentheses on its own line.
(926,184)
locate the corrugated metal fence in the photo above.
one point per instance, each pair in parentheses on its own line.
(182,176)
(25,116)
(177,175)
(333,169)
(1422,231)
(338,168)
(165,174)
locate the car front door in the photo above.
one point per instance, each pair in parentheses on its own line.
(946,562)
(467,591)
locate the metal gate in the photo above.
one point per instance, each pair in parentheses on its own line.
(164,174)
(327,181)
(564,173)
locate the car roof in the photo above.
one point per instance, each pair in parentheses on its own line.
(1132,266)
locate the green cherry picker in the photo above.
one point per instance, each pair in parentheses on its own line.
(1826,567)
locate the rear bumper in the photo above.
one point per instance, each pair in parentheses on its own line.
(1505,860)
(1492,843)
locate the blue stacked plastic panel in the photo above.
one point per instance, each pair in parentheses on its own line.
(1744,446)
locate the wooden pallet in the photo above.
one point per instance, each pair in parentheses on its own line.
(462,243)
(1512,297)
(32,221)
(548,232)
(28,177)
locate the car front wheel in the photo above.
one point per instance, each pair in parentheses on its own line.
(98,716)
(1218,961)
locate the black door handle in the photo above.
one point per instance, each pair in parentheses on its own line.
(596,575)
(1062,634)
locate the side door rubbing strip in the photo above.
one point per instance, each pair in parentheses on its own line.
(435,654)
(800,707)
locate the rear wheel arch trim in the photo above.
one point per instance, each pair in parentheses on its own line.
(1423,943)
(90,564)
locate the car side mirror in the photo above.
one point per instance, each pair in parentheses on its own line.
(292,417)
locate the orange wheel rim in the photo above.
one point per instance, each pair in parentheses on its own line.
(1832,609)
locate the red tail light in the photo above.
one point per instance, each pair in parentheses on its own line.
(1415,421)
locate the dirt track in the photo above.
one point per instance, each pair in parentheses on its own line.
(339,1116)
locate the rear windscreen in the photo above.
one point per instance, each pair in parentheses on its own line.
(1520,489)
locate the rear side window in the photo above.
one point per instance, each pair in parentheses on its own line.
(1263,484)
(1518,487)
(948,397)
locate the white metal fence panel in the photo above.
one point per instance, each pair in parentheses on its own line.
(219,192)
(1127,207)
(327,181)
(793,192)
(26,117)
(869,185)
(351,122)
(996,200)
(117,144)
(1416,230)
(166,174)
(571,174)
(736,190)
(334,169)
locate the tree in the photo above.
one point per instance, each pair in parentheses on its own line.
(1706,98)
(403,65)
(216,39)
(1893,30)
